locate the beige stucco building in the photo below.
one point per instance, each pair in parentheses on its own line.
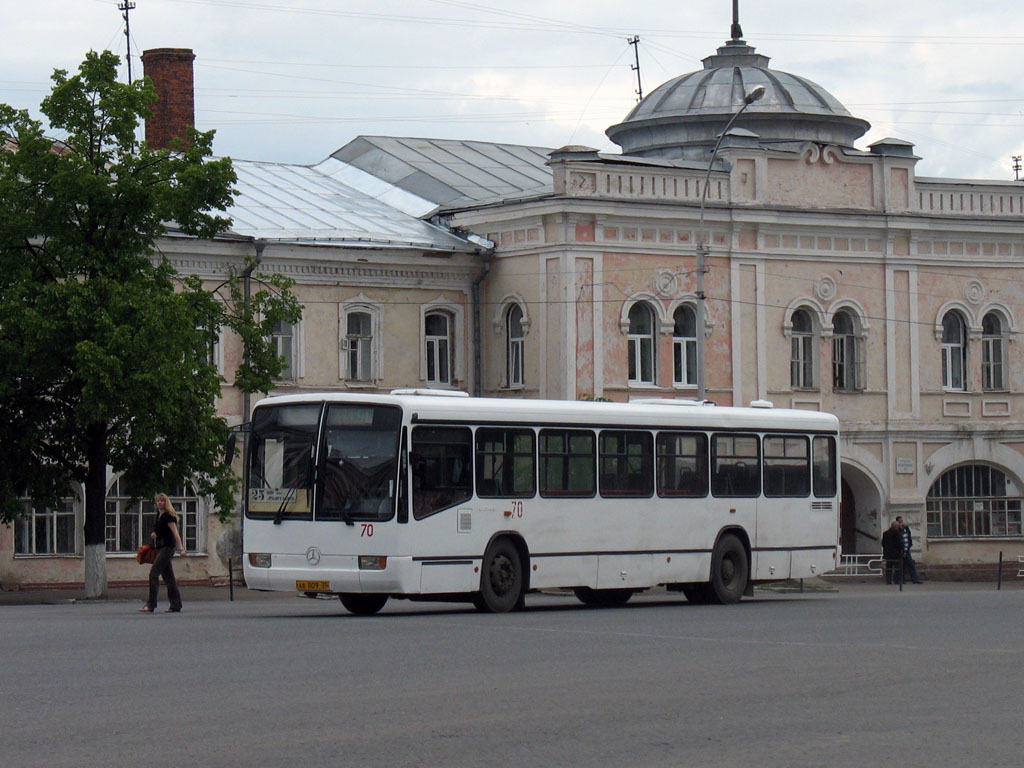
(837,279)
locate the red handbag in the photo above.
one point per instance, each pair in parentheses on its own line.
(146,554)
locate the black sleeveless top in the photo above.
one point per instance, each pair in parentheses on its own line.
(164,536)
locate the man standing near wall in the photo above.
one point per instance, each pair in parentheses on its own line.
(909,569)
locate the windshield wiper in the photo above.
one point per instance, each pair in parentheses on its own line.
(284,505)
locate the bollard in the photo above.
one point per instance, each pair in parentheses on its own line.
(231,580)
(999,578)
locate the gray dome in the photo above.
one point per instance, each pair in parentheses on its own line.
(683,117)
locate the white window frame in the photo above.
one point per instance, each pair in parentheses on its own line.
(849,369)
(359,378)
(515,348)
(954,352)
(217,353)
(437,350)
(455,315)
(803,373)
(684,348)
(295,370)
(27,529)
(635,346)
(993,355)
(191,519)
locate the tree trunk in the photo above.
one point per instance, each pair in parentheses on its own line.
(95,512)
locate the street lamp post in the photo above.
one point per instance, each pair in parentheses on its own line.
(260,245)
(702,247)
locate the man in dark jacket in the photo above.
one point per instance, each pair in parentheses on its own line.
(909,569)
(892,552)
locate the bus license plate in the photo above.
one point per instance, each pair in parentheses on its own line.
(313,586)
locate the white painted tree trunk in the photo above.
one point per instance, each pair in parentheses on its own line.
(95,571)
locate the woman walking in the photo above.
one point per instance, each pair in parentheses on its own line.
(167,541)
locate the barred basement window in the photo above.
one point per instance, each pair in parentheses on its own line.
(974,501)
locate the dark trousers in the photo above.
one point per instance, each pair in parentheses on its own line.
(910,569)
(893,571)
(162,567)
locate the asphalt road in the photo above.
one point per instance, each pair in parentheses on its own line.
(863,677)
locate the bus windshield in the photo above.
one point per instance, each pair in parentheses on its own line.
(359,462)
(281,461)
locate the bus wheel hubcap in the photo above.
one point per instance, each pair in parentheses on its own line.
(502,577)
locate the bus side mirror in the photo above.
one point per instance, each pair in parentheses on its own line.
(229,448)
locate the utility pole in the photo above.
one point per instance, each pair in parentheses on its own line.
(635,42)
(126,7)
(1016,167)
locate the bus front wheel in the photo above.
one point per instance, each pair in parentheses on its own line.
(501,579)
(729,571)
(362,605)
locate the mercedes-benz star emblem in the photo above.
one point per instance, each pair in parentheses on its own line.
(312,555)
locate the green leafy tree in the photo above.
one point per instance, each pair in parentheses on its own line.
(104,349)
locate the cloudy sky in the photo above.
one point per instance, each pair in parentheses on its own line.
(293,80)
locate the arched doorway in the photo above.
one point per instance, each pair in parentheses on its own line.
(860,531)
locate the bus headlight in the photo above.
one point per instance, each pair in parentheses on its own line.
(372,563)
(259,559)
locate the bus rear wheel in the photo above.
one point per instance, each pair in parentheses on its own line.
(589,596)
(729,571)
(501,579)
(362,605)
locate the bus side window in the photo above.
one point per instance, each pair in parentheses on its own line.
(682,461)
(824,468)
(505,463)
(787,466)
(626,460)
(441,460)
(735,465)
(567,458)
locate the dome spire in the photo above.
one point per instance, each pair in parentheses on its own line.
(736,31)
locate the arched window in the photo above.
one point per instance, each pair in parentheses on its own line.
(641,344)
(954,351)
(129,523)
(359,345)
(972,501)
(514,346)
(801,361)
(848,369)
(684,347)
(993,353)
(437,347)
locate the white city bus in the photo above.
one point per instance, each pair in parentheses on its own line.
(440,496)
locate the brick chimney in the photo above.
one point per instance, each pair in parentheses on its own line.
(170,69)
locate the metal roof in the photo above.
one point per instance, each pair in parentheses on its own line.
(332,202)
(452,173)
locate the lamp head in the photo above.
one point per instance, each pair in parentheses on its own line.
(754,95)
